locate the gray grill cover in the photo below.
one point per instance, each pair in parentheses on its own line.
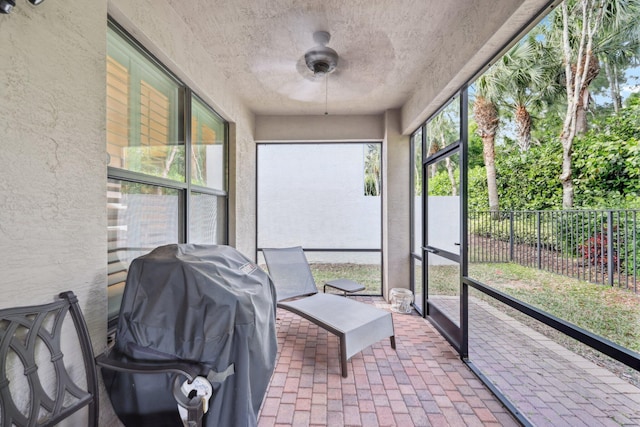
(203,303)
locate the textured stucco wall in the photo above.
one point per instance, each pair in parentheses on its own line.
(52,158)
(395,205)
(319,128)
(52,161)
(155,25)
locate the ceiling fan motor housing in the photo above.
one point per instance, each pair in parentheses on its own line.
(321,60)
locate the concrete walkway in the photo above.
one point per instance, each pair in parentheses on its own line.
(424,382)
(550,385)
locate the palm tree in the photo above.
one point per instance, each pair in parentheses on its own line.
(372,170)
(485,113)
(440,130)
(526,77)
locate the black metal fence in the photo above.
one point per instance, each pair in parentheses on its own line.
(600,246)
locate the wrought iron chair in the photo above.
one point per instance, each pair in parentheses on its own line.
(26,333)
(31,352)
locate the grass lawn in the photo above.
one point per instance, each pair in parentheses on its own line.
(366,274)
(611,312)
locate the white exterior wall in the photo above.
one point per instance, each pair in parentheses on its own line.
(312,195)
(444,226)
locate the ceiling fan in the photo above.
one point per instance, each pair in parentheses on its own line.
(321,59)
(308,75)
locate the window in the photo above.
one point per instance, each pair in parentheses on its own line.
(207,147)
(158,194)
(143,129)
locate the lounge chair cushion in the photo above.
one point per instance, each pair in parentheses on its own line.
(360,324)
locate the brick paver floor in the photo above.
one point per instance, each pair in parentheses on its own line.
(423,383)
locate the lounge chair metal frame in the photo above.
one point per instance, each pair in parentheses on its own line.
(357,325)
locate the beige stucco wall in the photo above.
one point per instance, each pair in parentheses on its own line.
(319,128)
(52,157)
(395,205)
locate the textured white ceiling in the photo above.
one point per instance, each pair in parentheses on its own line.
(386,48)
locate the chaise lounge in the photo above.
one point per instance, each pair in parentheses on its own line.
(356,324)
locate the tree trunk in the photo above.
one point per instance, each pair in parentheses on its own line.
(452,178)
(581,113)
(617,100)
(199,175)
(169,161)
(486,116)
(592,71)
(614,86)
(566,176)
(489,154)
(523,127)
(578,77)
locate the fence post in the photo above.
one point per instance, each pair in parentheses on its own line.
(538,241)
(511,236)
(610,247)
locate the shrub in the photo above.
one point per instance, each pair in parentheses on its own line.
(596,249)
(529,180)
(606,162)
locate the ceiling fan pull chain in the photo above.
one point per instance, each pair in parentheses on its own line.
(326,94)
